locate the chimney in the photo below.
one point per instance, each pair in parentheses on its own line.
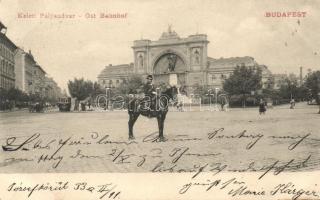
(3,28)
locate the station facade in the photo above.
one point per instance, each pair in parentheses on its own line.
(185,57)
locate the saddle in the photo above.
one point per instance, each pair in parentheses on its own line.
(148,103)
(144,102)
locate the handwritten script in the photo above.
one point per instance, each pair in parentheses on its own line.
(237,188)
(105,191)
(215,151)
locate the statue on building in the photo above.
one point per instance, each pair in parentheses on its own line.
(140,61)
(196,57)
(172,62)
(171,34)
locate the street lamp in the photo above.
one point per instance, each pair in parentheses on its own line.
(192,101)
(291,85)
(209,94)
(108,96)
(216,95)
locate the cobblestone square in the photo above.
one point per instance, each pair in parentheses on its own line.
(237,140)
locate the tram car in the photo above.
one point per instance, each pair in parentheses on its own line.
(64,104)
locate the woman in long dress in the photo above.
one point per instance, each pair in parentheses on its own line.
(262,107)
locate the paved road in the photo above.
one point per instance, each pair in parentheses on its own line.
(237,140)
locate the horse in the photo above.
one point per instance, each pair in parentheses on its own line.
(156,107)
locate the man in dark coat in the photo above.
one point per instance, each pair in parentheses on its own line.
(148,87)
(262,107)
(150,93)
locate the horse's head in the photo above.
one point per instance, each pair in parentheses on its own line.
(171,92)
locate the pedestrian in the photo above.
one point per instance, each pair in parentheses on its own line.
(292,104)
(262,107)
(223,103)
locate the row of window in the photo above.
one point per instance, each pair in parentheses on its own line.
(110,81)
(216,76)
(6,83)
(6,68)
(5,52)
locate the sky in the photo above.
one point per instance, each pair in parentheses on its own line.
(82,47)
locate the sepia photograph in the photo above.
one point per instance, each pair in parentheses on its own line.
(206,99)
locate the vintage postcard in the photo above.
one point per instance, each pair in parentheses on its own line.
(163,100)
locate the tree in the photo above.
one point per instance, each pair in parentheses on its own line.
(313,84)
(97,90)
(80,89)
(131,86)
(14,94)
(35,97)
(269,83)
(201,90)
(243,81)
(3,94)
(289,87)
(204,92)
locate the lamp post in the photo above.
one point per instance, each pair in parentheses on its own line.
(209,94)
(108,96)
(291,89)
(216,96)
(192,101)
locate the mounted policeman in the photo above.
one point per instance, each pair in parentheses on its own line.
(153,105)
(149,92)
(148,88)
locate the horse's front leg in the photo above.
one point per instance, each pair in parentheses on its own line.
(161,119)
(132,119)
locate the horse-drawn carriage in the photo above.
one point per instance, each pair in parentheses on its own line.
(36,107)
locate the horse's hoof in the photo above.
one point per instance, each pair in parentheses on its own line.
(131,138)
(162,139)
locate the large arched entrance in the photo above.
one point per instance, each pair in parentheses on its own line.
(169,63)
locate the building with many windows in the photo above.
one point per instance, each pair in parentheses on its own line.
(7,51)
(38,80)
(185,57)
(52,90)
(19,69)
(114,75)
(24,69)
(220,69)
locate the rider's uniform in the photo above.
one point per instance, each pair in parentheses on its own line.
(148,89)
(150,94)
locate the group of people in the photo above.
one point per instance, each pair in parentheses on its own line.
(6,105)
(263,106)
(149,90)
(84,105)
